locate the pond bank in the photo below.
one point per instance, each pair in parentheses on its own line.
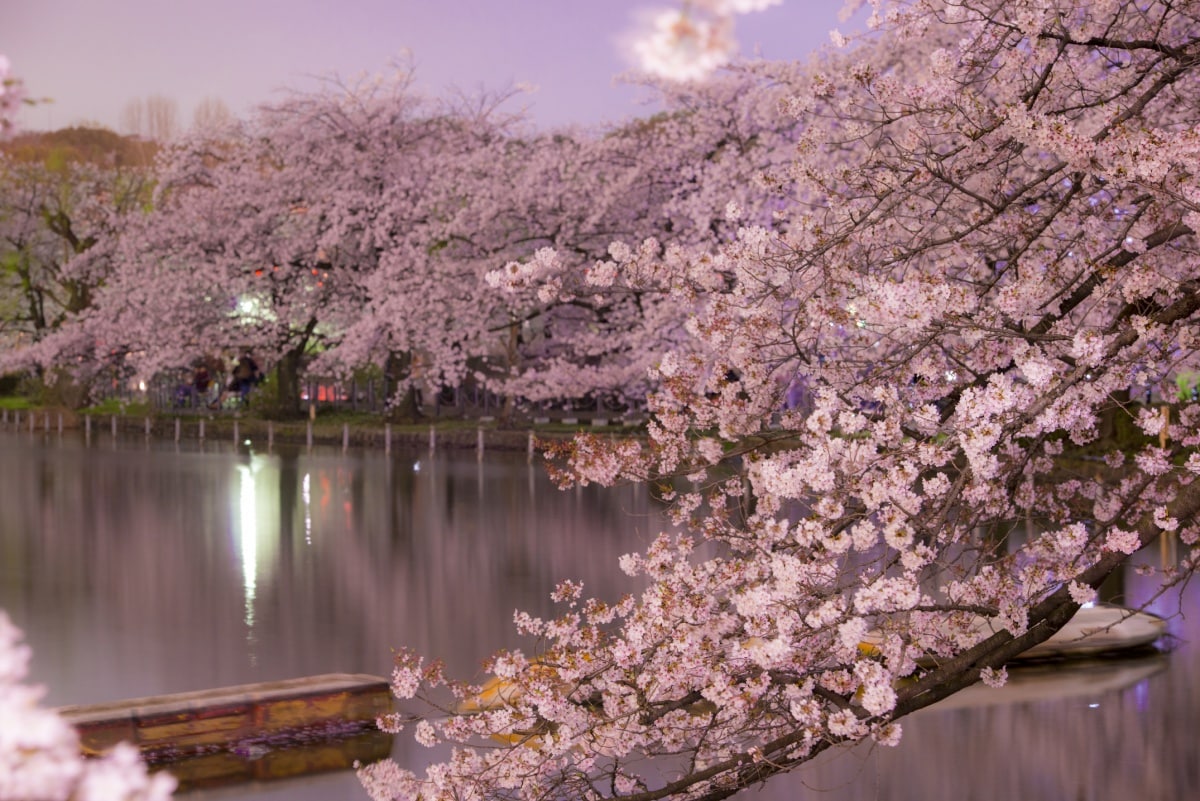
(483,433)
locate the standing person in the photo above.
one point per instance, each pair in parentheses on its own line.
(245,375)
(247,372)
(201,381)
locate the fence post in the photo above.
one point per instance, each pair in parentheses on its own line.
(270,434)
(114,425)
(309,437)
(235,433)
(177,429)
(147,428)
(529,453)
(387,438)
(46,422)
(60,424)
(432,438)
(479,442)
(345,437)
(201,430)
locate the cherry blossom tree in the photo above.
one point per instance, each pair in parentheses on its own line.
(64,198)
(573,194)
(423,310)
(355,226)
(53,213)
(40,754)
(67,232)
(500,193)
(550,207)
(262,240)
(985,240)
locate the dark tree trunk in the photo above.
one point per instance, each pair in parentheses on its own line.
(287,376)
(406,408)
(512,353)
(287,385)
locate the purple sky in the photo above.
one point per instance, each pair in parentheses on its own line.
(94,56)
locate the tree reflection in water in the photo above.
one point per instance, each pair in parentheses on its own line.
(139,568)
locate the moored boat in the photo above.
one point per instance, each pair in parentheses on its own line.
(1095,629)
(1098,629)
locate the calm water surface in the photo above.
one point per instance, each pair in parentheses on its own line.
(141,567)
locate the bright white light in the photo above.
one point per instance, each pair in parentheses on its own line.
(306,494)
(253,308)
(248,518)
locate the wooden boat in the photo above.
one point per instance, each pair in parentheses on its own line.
(251,732)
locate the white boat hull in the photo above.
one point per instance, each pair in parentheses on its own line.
(1101,628)
(1094,629)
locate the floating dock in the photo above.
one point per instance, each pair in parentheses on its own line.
(256,731)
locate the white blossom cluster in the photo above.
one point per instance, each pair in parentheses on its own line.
(40,756)
(688,44)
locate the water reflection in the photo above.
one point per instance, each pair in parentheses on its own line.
(139,571)
(248,520)
(140,568)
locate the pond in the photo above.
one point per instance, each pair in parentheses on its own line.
(139,567)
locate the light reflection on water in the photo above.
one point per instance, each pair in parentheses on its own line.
(140,568)
(138,571)
(248,529)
